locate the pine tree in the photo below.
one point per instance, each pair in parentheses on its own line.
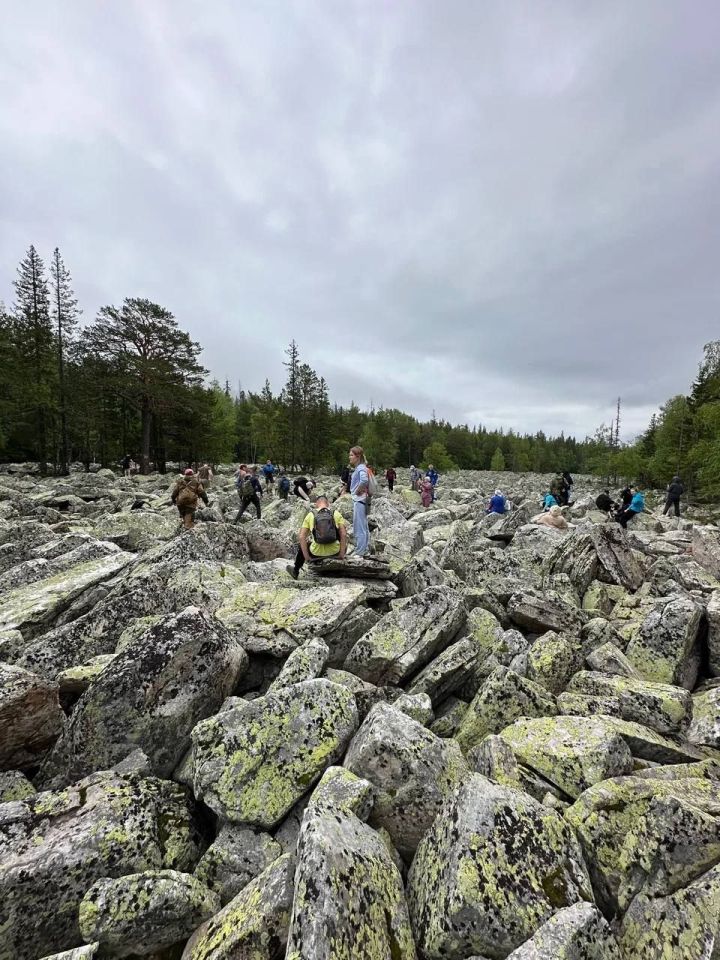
(498,460)
(35,343)
(292,402)
(65,314)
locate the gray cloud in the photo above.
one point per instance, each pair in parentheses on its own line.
(505,213)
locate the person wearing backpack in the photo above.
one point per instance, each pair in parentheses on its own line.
(249,491)
(414,477)
(185,497)
(322,534)
(269,474)
(390,476)
(283,485)
(360,491)
(674,491)
(433,476)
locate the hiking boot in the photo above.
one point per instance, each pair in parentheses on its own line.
(292,571)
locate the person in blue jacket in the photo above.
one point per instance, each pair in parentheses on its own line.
(549,501)
(268,472)
(497,503)
(433,476)
(636,506)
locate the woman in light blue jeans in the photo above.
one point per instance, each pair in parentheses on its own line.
(359,484)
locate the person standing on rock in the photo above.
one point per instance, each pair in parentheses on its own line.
(205,475)
(359,489)
(125,464)
(636,506)
(414,477)
(567,487)
(269,474)
(433,476)
(322,534)
(185,496)
(674,491)
(426,492)
(390,476)
(249,491)
(345,475)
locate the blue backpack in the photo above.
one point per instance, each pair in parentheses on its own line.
(284,484)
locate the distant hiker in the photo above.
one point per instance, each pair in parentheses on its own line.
(567,487)
(426,492)
(557,485)
(185,496)
(497,503)
(302,487)
(674,491)
(636,506)
(359,489)
(433,476)
(553,518)
(604,502)
(390,476)
(626,496)
(125,464)
(249,491)
(269,473)
(414,477)
(322,534)
(283,485)
(345,475)
(205,474)
(549,502)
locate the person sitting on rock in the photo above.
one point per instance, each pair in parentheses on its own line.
(674,491)
(636,506)
(626,496)
(185,496)
(497,503)
(249,491)
(322,534)
(549,502)
(567,486)
(604,502)
(553,518)
(302,487)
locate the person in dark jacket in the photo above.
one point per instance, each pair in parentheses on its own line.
(302,487)
(674,491)
(345,477)
(636,506)
(390,476)
(604,502)
(566,487)
(250,492)
(185,496)
(626,496)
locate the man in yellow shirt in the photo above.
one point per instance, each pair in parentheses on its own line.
(322,534)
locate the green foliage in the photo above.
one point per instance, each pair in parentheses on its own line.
(437,455)
(498,460)
(379,440)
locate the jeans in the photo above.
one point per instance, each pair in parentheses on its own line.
(360,528)
(672,502)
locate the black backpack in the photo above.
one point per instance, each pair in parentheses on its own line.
(325,530)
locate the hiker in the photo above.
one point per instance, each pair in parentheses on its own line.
(205,475)
(249,491)
(125,464)
(345,475)
(604,502)
(636,506)
(674,491)
(359,490)
(557,485)
(302,487)
(324,528)
(269,473)
(433,477)
(626,496)
(414,477)
(390,476)
(185,496)
(283,485)
(426,492)
(567,487)
(549,501)
(553,518)
(497,503)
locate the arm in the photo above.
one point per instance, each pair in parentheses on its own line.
(175,494)
(302,494)
(343,542)
(304,543)
(204,495)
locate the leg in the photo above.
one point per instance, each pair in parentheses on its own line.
(667,506)
(676,503)
(360,528)
(256,501)
(241,511)
(188,519)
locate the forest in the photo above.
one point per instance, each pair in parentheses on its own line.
(131,381)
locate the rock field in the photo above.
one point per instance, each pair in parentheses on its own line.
(492,739)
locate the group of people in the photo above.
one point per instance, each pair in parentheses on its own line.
(424,483)
(559,493)
(631,502)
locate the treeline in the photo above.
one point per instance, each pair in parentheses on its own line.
(682,439)
(131,381)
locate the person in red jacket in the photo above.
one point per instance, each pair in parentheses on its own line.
(390,476)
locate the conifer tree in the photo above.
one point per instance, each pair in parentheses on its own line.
(65,314)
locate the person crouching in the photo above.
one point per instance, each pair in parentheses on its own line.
(322,535)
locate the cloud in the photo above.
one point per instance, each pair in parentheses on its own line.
(505,214)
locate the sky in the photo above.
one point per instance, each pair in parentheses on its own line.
(501,212)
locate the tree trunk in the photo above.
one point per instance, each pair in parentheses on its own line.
(146,422)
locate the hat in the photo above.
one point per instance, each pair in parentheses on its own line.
(189,472)
(555,510)
(498,493)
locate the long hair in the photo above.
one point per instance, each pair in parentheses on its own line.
(359,452)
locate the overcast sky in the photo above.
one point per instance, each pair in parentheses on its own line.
(505,212)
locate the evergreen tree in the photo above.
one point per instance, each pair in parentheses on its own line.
(65,314)
(436,454)
(498,460)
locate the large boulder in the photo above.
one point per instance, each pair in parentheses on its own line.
(542,611)
(598,552)
(579,932)
(713,619)
(30,717)
(412,770)
(706,548)
(237,856)
(151,696)
(705,727)
(54,846)
(254,761)
(494,866)
(553,659)
(665,648)
(416,629)
(660,706)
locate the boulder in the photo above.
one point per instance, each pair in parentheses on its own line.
(30,717)
(705,727)
(540,612)
(14,785)
(141,913)
(150,696)
(449,671)
(307,662)
(579,932)
(254,761)
(359,568)
(660,706)
(706,548)
(412,770)
(598,552)
(420,573)
(665,648)
(416,629)
(713,639)
(608,658)
(237,856)
(56,845)
(493,867)
(553,659)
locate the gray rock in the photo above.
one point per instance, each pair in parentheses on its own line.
(706,548)
(448,717)
(141,913)
(80,953)
(494,866)
(237,856)
(412,769)
(307,662)
(252,763)
(540,612)
(150,696)
(607,658)
(14,786)
(450,670)
(30,717)
(420,573)
(705,726)
(579,932)
(599,552)
(660,706)
(665,648)
(418,706)
(713,640)
(553,659)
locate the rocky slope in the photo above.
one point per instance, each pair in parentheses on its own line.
(494,740)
